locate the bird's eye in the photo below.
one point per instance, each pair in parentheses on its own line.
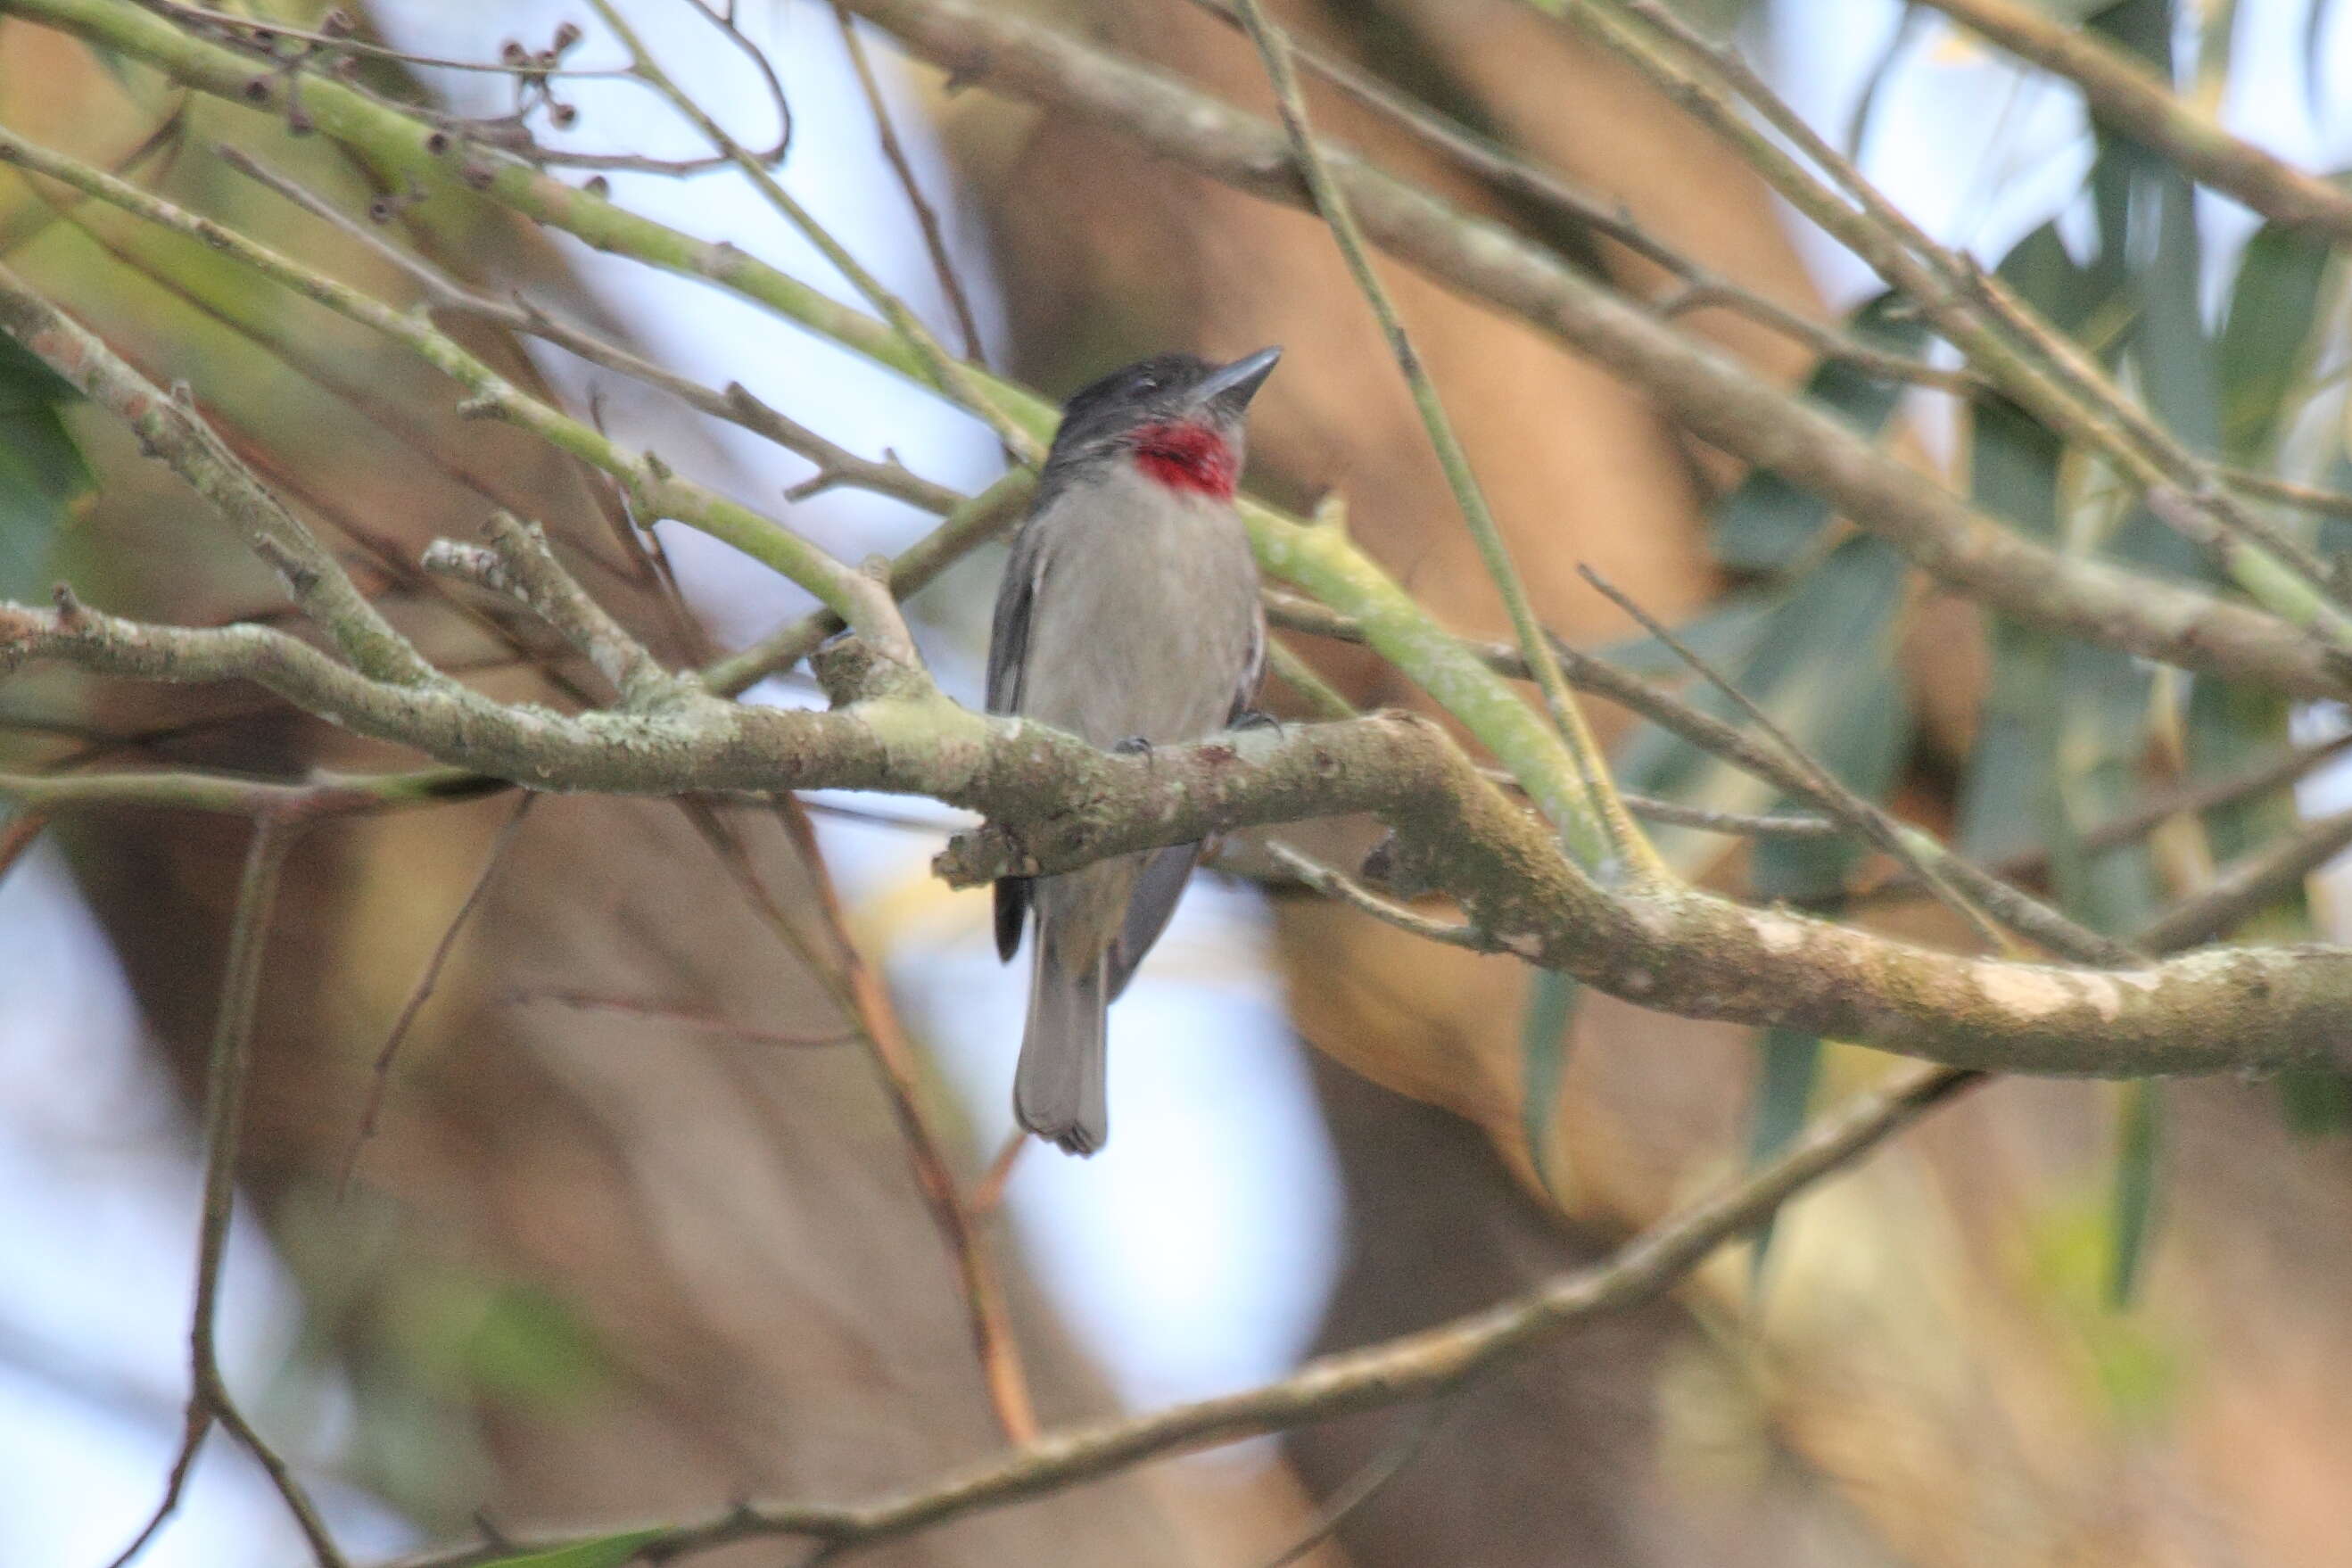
(1146,383)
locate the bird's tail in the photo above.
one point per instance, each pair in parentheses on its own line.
(1058,1089)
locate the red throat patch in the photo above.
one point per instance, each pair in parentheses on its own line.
(1189,458)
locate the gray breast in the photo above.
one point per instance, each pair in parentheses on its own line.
(1145,618)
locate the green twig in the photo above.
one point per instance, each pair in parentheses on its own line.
(1604,823)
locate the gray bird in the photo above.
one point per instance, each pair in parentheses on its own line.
(1130,616)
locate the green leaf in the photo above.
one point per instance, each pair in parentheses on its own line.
(604,1551)
(2227,723)
(2007,799)
(1767,522)
(2043,275)
(42,473)
(1544,1030)
(2275,304)
(1789,1065)
(27,382)
(1836,618)
(2131,1215)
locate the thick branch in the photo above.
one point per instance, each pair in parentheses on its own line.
(1055,803)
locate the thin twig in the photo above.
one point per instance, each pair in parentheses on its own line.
(2245,887)
(857,991)
(947,373)
(1740,824)
(1975,895)
(1610,828)
(988,1193)
(1369,1481)
(971,524)
(1697,286)
(380,1074)
(228,1066)
(1342,889)
(935,240)
(1325,702)
(2309,497)
(685,1016)
(2186,800)
(1410,1367)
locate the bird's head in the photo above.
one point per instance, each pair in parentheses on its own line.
(1178,419)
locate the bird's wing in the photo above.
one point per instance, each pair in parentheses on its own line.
(1150,909)
(1008,663)
(1008,640)
(1153,903)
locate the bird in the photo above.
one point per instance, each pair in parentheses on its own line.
(1130,616)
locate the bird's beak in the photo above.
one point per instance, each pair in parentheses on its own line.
(1231,387)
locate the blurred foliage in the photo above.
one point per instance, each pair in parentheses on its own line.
(2066,736)
(43,477)
(2134,1369)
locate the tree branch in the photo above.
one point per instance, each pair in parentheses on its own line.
(2125,96)
(1053,803)
(171,427)
(1719,399)
(226,1068)
(836,464)
(653,489)
(1714,397)
(1412,1367)
(2028,357)
(1603,824)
